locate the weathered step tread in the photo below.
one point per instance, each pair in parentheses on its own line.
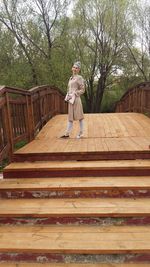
(73,265)
(82,183)
(108,207)
(75,239)
(78,165)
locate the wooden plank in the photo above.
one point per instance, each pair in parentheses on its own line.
(133,144)
(141,143)
(144,122)
(81,165)
(98,154)
(75,229)
(77,168)
(125,119)
(109,120)
(75,239)
(91,144)
(106,127)
(137,126)
(115,144)
(100,126)
(121,130)
(78,183)
(84,207)
(8,264)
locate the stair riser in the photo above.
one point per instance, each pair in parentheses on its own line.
(101,221)
(75,173)
(81,156)
(74,258)
(8,194)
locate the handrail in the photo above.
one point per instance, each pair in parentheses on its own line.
(135,99)
(13,90)
(24,112)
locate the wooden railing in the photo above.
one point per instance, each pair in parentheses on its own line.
(136,99)
(24,112)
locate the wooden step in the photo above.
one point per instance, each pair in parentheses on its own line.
(75,239)
(83,187)
(77,168)
(81,207)
(78,183)
(90,155)
(73,265)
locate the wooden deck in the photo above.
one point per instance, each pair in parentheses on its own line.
(106,136)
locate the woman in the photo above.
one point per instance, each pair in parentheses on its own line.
(76,87)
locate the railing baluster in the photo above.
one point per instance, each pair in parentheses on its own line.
(136,99)
(26,113)
(9,129)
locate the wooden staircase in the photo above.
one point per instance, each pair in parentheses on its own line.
(84,213)
(92,220)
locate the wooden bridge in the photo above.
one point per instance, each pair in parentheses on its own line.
(75,202)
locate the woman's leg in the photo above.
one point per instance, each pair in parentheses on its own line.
(68,130)
(69,127)
(81,124)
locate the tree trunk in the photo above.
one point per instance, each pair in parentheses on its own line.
(99,92)
(89,96)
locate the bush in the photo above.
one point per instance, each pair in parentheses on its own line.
(110,97)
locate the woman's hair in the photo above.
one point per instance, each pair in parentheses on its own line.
(77,64)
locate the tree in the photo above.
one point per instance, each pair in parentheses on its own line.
(140,47)
(99,43)
(10,17)
(36,27)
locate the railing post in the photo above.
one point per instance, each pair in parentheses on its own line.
(136,102)
(40,108)
(30,119)
(133,102)
(142,100)
(9,126)
(129,101)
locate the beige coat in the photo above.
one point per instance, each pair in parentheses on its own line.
(76,86)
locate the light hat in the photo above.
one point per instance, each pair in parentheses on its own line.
(77,64)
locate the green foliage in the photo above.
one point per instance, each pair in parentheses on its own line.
(3,164)
(102,34)
(14,69)
(5,161)
(20,144)
(111,96)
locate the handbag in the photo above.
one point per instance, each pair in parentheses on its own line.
(70,98)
